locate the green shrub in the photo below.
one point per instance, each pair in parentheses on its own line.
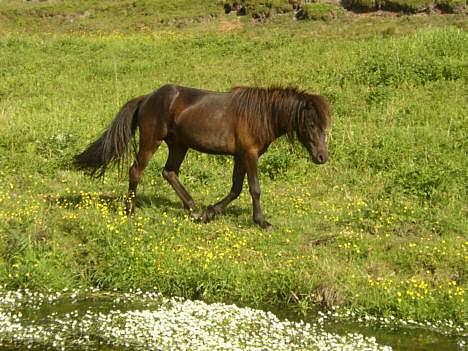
(360,5)
(409,6)
(322,11)
(451,6)
(261,9)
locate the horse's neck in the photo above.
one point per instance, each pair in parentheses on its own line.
(281,126)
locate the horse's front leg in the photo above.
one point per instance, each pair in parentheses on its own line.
(251,165)
(238,176)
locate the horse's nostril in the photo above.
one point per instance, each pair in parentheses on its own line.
(322,157)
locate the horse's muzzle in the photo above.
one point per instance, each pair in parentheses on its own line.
(320,157)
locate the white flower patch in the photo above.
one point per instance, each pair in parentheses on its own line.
(194,325)
(163,324)
(90,319)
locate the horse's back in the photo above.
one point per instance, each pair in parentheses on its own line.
(202,120)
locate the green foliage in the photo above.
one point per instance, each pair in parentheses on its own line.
(361,5)
(100,15)
(278,6)
(409,6)
(406,6)
(322,11)
(451,6)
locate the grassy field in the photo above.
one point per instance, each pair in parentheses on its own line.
(381,228)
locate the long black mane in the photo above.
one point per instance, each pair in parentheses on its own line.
(267,110)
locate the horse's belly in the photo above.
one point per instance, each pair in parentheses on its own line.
(208,139)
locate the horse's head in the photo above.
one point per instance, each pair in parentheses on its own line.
(311,131)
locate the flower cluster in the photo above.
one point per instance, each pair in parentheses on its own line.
(417,289)
(157,323)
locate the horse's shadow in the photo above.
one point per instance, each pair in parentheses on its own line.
(115,203)
(148,201)
(145,201)
(112,201)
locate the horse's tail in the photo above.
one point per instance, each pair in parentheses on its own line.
(112,146)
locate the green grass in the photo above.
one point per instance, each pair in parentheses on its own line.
(380,228)
(99,15)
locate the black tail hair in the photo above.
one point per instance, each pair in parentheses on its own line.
(112,146)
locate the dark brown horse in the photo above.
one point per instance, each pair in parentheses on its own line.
(242,122)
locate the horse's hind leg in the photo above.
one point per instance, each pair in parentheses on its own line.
(238,176)
(171,174)
(148,147)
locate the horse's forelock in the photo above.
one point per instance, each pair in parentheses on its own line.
(322,107)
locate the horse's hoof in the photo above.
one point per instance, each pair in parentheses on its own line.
(209,214)
(129,208)
(196,216)
(265,225)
